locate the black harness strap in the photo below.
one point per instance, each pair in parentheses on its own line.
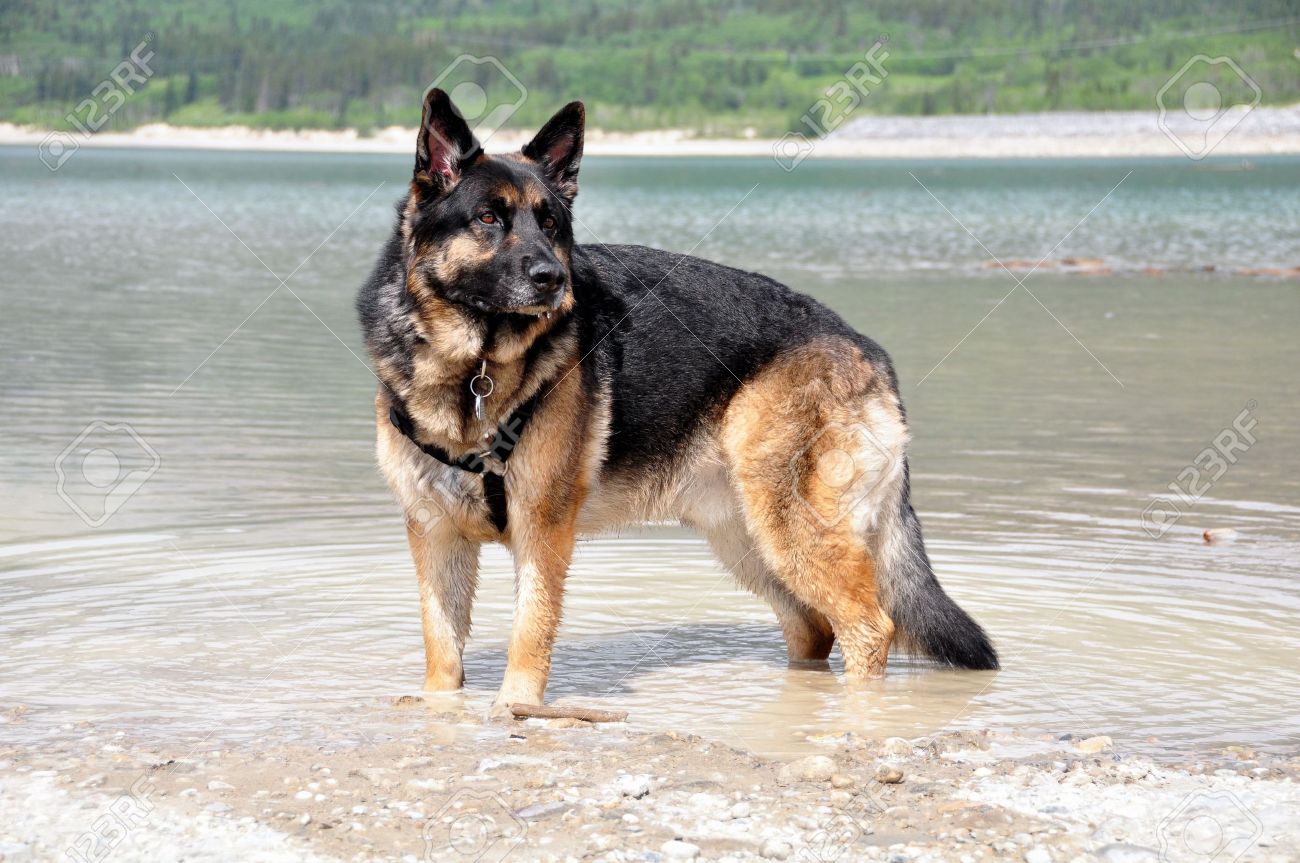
(510,430)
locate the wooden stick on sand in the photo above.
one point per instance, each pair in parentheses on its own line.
(550,711)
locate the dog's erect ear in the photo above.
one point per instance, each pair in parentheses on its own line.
(558,148)
(444,144)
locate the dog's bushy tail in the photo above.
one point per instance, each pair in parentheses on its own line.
(926,620)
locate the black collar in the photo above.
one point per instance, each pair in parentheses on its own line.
(508,434)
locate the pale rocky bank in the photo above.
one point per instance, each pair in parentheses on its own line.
(1260,131)
(438,785)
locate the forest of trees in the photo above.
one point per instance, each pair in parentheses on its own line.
(716,66)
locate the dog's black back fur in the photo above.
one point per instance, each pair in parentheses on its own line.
(681,334)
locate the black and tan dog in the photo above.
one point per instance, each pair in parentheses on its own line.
(534,390)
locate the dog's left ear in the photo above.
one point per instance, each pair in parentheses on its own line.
(558,148)
(444,145)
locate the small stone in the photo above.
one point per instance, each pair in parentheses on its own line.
(305,819)
(635,787)
(189,792)
(676,849)
(1038,854)
(413,762)
(1122,852)
(303,795)
(1219,536)
(1093,745)
(740,810)
(839,780)
(541,810)
(896,746)
(775,849)
(814,768)
(375,775)
(218,785)
(889,774)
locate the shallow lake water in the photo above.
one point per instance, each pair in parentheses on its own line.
(195,540)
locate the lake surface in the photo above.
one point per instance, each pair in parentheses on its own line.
(195,541)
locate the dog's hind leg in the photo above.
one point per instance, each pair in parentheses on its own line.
(815,444)
(447,566)
(808,634)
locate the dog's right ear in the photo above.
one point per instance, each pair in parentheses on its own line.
(444,144)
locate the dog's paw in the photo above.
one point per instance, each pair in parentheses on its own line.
(500,710)
(515,691)
(444,683)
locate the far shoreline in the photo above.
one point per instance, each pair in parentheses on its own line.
(1133,134)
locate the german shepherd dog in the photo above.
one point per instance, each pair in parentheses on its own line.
(534,390)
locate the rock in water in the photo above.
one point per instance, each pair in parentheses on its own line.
(1093,745)
(1219,535)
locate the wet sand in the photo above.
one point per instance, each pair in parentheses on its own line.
(424,783)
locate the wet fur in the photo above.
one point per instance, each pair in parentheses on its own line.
(725,426)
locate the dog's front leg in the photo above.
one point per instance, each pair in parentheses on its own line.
(541,562)
(447,565)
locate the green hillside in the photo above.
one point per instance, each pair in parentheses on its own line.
(716,66)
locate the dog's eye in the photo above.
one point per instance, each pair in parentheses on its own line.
(488,217)
(549,223)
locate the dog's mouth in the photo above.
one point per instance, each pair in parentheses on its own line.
(535,309)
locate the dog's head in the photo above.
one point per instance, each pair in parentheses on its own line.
(492,233)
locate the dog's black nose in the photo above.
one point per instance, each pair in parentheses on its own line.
(547,275)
